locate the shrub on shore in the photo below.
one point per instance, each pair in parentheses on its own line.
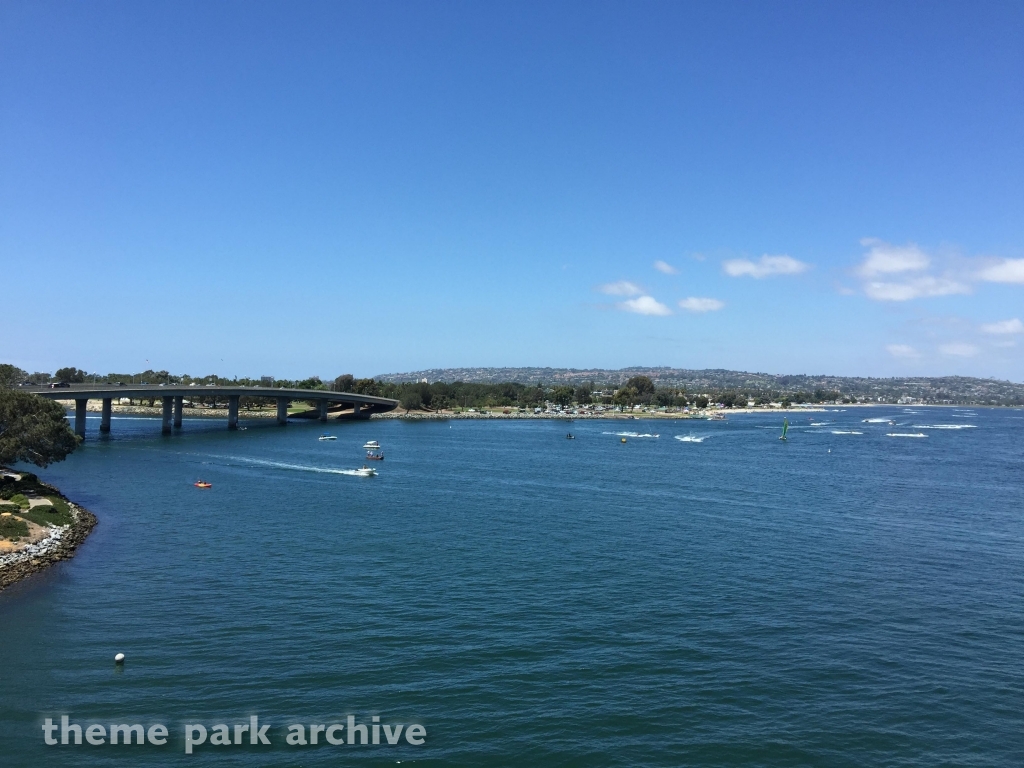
(28,483)
(21,500)
(12,527)
(46,515)
(60,505)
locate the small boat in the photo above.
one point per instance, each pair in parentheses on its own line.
(327,437)
(202,484)
(785,429)
(366,471)
(379,456)
(570,436)
(372,445)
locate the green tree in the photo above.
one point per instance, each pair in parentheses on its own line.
(701,402)
(70,375)
(665,397)
(563,395)
(412,400)
(33,429)
(584,392)
(642,384)
(343,383)
(10,375)
(626,395)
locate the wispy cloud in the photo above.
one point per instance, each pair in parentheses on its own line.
(914,289)
(959,350)
(766,266)
(644,305)
(885,259)
(1004,271)
(621,288)
(1004,327)
(887,272)
(665,267)
(696,304)
(903,351)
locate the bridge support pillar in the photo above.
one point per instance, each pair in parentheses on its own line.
(178,405)
(80,416)
(282,410)
(323,410)
(233,412)
(356,408)
(105,419)
(168,402)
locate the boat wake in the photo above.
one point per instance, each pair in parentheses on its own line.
(877,421)
(629,434)
(945,426)
(292,467)
(846,432)
(906,434)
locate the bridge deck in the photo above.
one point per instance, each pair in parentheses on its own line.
(172,398)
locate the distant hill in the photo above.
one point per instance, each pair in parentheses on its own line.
(953,389)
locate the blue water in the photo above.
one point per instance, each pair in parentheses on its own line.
(835,600)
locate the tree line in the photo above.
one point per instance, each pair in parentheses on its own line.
(638,390)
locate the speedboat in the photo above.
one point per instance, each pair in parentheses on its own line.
(327,437)
(202,484)
(372,445)
(366,471)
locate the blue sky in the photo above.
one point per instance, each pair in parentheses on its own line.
(318,188)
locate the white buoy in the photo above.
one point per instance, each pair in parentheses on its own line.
(119,658)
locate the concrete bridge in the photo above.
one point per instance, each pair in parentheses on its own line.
(173,398)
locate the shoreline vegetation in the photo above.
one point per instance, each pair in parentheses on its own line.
(39,526)
(466,388)
(464,413)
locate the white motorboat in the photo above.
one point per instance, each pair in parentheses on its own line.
(371,445)
(327,437)
(362,472)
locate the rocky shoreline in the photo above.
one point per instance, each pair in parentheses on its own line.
(60,544)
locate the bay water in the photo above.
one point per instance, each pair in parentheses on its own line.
(843,598)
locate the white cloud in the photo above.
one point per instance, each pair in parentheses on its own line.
(766,266)
(1005,271)
(886,259)
(695,304)
(621,288)
(665,267)
(645,305)
(1004,326)
(903,351)
(959,350)
(915,289)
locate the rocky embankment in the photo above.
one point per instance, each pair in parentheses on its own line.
(58,543)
